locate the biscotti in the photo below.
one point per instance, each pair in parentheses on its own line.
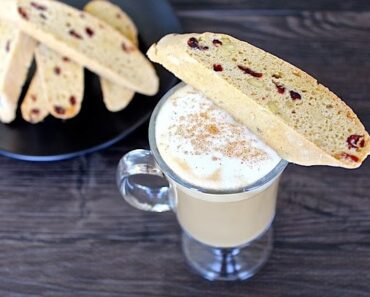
(34,107)
(61,81)
(114,16)
(16,55)
(115,97)
(85,40)
(301,119)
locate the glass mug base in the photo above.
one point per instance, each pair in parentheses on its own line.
(228,264)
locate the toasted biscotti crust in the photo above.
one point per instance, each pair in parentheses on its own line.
(16,56)
(84,39)
(302,120)
(115,97)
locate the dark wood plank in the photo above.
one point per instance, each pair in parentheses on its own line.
(330,5)
(65,230)
(72,233)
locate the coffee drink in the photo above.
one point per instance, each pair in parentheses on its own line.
(217,158)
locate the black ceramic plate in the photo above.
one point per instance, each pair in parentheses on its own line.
(94,128)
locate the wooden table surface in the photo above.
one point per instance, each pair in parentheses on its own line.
(65,230)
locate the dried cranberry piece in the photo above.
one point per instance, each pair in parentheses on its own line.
(217,67)
(59,110)
(295,95)
(35,111)
(89,32)
(57,70)
(279,87)
(7,46)
(356,141)
(194,43)
(38,6)
(217,42)
(348,157)
(73,100)
(249,71)
(75,34)
(23,13)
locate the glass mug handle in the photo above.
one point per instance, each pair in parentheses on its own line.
(142,183)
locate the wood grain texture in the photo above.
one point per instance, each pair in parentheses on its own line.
(331,5)
(65,230)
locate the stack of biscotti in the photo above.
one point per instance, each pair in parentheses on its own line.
(301,119)
(82,40)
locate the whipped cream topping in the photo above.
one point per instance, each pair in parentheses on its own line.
(206,147)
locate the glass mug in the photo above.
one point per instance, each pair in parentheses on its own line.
(227,235)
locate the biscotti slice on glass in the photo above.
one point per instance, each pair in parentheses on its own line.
(61,81)
(301,119)
(116,97)
(34,107)
(16,55)
(84,39)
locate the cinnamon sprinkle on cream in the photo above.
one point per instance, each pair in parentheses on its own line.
(216,151)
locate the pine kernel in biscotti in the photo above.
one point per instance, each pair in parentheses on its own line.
(296,73)
(277,75)
(255,83)
(289,104)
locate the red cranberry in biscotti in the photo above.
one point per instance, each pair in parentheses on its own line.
(249,71)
